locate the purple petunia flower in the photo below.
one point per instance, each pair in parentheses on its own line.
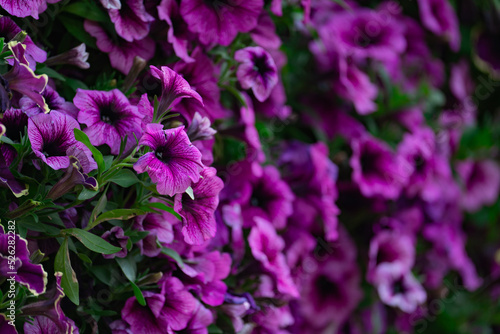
(257,71)
(449,253)
(74,175)
(399,288)
(51,136)
(174,163)
(109,117)
(131,20)
(171,309)
(22,79)
(200,129)
(364,33)
(330,285)
(439,17)
(201,75)
(267,246)
(117,238)
(376,169)
(53,102)
(220,21)
(264,34)
(178,34)
(5,325)
(270,198)
(22,8)
(206,274)
(390,249)
(121,53)
(9,29)
(480,183)
(174,87)
(25,272)
(198,213)
(200,321)
(48,314)
(76,56)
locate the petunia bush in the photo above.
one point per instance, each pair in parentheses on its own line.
(249,166)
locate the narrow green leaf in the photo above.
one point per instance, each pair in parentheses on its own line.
(92,241)
(87,10)
(82,137)
(108,161)
(124,178)
(86,194)
(100,206)
(120,214)
(75,28)
(69,283)
(174,255)
(84,258)
(164,207)
(138,294)
(51,73)
(128,267)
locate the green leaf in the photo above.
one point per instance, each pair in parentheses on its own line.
(69,283)
(100,206)
(120,214)
(85,258)
(51,73)
(128,267)
(86,194)
(82,137)
(124,178)
(108,161)
(92,241)
(174,255)
(75,27)
(163,207)
(88,10)
(138,294)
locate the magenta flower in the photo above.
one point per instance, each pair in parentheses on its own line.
(76,56)
(329,293)
(355,86)
(390,249)
(178,34)
(109,117)
(267,246)
(174,163)
(171,309)
(376,169)
(220,21)
(270,198)
(53,102)
(51,136)
(201,75)
(49,316)
(174,87)
(399,288)
(199,322)
(22,8)
(131,20)
(117,238)
(256,71)
(364,33)
(121,53)
(206,273)
(198,215)
(480,183)
(9,29)
(439,17)
(22,79)
(312,176)
(28,274)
